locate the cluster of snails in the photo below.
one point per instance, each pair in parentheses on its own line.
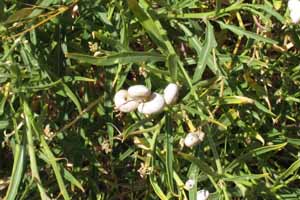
(140,97)
(294,7)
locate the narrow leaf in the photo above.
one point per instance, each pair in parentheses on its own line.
(17,172)
(118,58)
(248,34)
(254,152)
(209,44)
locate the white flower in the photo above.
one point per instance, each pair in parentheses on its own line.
(189,184)
(171,93)
(202,195)
(154,106)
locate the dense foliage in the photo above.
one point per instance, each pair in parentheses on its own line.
(236,62)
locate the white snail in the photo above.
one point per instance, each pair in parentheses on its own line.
(293,4)
(189,184)
(295,16)
(171,93)
(294,7)
(202,195)
(194,138)
(124,103)
(139,92)
(153,106)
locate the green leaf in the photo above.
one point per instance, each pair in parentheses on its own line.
(293,141)
(252,153)
(72,96)
(169,152)
(17,172)
(293,168)
(152,26)
(263,108)
(56,168)
(31,151)
(157,189)
(68,176)
(269,10)
(193,174)
(42,4)
(199,162)
(2,103)
(118,58)
(196,44)
(172,64)
(19,15)
(209,44)
(236,100)
(4,124)
(248,34)
(245,177)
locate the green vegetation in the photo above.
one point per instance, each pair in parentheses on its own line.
(238,67)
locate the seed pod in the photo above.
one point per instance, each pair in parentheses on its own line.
(202,195)
(192,139)
(171,93)
(123,103)
(139,92)
(153,106)
(189,184)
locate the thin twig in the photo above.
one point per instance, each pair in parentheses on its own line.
(87,109)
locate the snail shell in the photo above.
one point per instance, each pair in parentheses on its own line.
(153,106)
(139,92)
(124,103)
(194,138)
(189,184)
(295,15)
(202,195)
(293,5)
(171,93)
